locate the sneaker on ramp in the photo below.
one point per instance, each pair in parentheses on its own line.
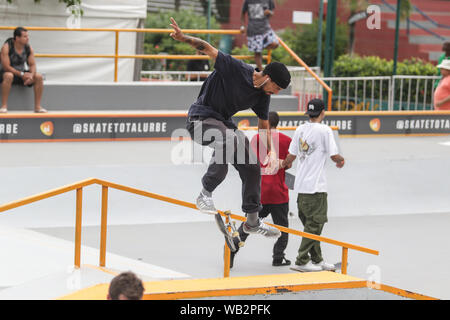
(308,267)
(325,266)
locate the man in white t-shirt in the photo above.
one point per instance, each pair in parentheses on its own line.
(312,143)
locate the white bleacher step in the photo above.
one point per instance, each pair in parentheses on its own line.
(119,96)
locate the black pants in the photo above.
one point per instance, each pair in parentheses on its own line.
(279,214)
(231,146)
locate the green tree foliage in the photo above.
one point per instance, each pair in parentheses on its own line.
(158,43)
(356,66)
(303,41)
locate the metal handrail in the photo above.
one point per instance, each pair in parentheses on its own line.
(309,70)
(116,55)
(78,187)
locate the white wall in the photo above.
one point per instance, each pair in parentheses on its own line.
(97,14)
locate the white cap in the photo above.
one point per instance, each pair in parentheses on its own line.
(445,64)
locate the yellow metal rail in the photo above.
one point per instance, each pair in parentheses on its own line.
(78,187)
(308,69)
(116,55)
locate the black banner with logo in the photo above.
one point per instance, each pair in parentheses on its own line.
(86,127)
(95,127)
(367,123)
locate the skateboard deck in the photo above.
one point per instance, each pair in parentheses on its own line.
(337,266)
(229,235)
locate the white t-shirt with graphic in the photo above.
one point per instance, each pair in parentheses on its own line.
(312,143)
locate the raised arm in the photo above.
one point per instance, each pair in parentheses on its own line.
(198,44)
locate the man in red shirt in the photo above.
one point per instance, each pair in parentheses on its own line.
(274,192)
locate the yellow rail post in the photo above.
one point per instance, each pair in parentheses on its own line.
(269,56)
(103,226)
(226,255)
(344,260)
(116,56)
(79,202)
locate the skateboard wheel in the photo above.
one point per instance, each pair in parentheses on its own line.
(235,234)
(241,244)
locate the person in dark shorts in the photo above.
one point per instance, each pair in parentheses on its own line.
(260,35)
(233,86)
(18,66)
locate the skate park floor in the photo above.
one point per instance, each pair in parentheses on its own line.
(391,196)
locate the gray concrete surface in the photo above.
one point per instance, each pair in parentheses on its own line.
(392,196)
(382,176)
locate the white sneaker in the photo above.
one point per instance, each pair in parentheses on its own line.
(325,266)
(309,267)
(205,204)
(262,229)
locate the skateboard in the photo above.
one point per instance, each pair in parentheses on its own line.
(289,179)
(337,266)
(229,235)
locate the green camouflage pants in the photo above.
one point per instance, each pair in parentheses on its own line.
(312,211)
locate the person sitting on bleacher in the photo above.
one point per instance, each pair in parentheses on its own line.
(18,66)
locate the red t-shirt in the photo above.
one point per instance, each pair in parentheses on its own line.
(273,187)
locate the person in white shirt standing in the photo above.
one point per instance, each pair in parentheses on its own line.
(313,142)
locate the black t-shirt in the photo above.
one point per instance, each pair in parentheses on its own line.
(228,90)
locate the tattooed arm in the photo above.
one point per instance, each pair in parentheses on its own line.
(198,44)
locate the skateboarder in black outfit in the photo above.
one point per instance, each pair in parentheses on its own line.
(233,86)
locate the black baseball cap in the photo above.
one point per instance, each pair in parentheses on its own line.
(315,107)
(278,73)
